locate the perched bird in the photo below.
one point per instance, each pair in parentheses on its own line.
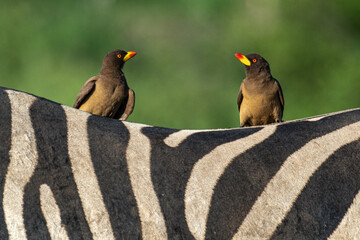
(260,99)
(108,94)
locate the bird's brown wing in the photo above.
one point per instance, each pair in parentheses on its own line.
(240,97)
(280,94)
(85,91)
(129,106)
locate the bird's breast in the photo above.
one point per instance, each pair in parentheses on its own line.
(259,106)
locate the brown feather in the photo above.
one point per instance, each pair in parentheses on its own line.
(85,91)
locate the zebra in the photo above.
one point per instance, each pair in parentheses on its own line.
(67,174)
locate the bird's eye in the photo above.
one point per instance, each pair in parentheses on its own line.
(254,60)
(119,55)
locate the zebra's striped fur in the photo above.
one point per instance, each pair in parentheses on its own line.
(66,174)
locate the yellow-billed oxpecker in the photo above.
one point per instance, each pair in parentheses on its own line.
(260,99)
(108,94)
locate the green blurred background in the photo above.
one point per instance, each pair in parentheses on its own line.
(185,74)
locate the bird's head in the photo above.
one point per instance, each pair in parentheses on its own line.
(115,60)
(254,63)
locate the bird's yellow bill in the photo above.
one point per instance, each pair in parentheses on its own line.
(243,59)
(129,55)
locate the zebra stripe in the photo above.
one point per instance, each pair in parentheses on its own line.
(349,226)
(23,159)
(5,146)
(175,139)
(152,219)
(205,174)
(51,213)
(315,119)
(287,184)
(86,180)
(53,168)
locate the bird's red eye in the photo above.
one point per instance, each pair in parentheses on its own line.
(119,55)
(254,60)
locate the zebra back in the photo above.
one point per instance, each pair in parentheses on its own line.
(66,174)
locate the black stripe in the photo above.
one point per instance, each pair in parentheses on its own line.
(108,139)
(171,169)
(246,177)
(54,169)
(5,145)
(324,201)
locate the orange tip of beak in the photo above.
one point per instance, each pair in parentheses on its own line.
(129,55)
(239,56)
(243,59)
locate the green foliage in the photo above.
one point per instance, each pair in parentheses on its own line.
(185,74)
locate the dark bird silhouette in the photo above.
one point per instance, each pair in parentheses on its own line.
(260,99)
(108,94)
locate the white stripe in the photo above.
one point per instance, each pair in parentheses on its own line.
(315,119)
(23,160)
(206,173)
(84,174)
(349,227)
(138,160)
(279,195)
(51,213)
(175,139)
